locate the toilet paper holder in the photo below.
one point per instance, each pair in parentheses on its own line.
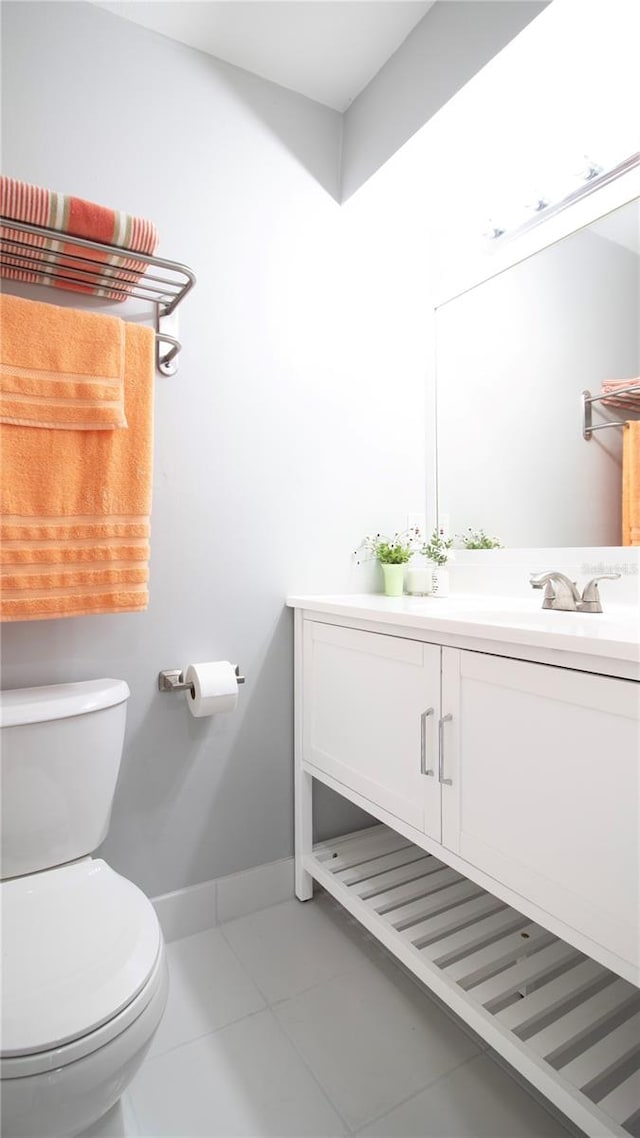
(172,679)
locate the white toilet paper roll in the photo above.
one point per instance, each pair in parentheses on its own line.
(215,688)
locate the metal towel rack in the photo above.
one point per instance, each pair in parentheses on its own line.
(164,283)
(588,400)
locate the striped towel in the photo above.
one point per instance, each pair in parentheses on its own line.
(629,402)
(60,368)
(78,218)
(75,508)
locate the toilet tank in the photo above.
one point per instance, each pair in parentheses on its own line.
(60,750)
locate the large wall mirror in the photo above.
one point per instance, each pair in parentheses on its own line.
(513,355)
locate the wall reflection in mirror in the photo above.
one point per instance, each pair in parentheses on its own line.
(513,356)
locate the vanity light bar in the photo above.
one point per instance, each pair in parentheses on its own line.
(594,179)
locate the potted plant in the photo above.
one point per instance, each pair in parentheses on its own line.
(438,550)
(392,553)
(478,539)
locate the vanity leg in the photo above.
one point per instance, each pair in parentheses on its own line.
(303,782)
(303,833)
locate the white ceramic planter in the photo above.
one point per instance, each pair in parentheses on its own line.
(393,580)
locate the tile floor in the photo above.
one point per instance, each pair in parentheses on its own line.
(292,1021)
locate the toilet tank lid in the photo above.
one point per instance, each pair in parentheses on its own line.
(21,706)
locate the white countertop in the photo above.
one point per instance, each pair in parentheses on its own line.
(613,635)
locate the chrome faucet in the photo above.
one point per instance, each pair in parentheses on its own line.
(559,592)
(563,595)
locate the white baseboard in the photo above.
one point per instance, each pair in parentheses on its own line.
(199,907)
(187,911)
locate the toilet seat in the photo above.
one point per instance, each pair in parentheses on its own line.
(82,959)
(22,1066)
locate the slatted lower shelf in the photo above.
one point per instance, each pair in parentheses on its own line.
(569,1025)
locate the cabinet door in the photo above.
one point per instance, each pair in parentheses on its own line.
(543,763)
(370,714)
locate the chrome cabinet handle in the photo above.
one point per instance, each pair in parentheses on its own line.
(423,740)
(444,781)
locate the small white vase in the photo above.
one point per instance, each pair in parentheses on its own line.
(440,582)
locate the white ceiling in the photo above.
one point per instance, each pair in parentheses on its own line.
(328,50)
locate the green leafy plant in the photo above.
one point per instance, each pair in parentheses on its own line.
(437,548)
(396,550)
(478,539)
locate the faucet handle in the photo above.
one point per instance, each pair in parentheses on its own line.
(590,593)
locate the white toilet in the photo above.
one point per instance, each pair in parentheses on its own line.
(84,976)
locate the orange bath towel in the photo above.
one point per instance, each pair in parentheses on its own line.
(75,508)
(60,368)
(631,484)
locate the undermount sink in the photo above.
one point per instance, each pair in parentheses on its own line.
(518,612)
(552,620)
(482,603)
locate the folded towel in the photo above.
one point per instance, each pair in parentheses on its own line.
(631,484)
(60,368)
(630,401)
(79,218)
(75,508)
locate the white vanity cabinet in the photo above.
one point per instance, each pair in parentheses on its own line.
(502,767)
(527,772)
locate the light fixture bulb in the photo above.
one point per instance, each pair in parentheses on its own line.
(492,231)
(540,202)
(590,169)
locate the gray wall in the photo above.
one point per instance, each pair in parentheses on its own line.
(277,446)
(453,41)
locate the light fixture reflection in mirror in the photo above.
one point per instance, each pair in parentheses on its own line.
(513,356)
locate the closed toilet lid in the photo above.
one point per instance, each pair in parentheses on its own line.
(78,944)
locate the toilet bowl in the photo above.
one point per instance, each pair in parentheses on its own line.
(84,969)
